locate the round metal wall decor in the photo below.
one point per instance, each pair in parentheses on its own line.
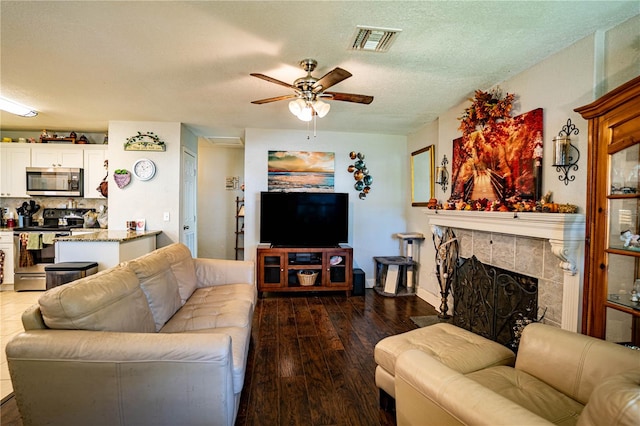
(360,174)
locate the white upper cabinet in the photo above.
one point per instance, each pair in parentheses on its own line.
(14,160)
(57,156)
(94,170)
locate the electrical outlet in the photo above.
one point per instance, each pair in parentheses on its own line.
(166,216)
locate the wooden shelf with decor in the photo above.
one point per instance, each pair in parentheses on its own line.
(239,248)
(611,305)
(296,269)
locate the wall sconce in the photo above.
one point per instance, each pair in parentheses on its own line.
(564,151)
(442,175)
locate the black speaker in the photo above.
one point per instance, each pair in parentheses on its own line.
(358,282)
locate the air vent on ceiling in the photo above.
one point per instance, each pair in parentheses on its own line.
(225,141)
(373,39)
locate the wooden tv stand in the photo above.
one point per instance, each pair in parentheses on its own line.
(278,268)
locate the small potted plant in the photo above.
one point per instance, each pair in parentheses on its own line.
(122,177)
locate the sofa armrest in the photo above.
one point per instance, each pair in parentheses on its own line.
(212,272)
(32,318)
(427,389)
(143,378)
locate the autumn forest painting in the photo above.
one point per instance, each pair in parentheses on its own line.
(499,162)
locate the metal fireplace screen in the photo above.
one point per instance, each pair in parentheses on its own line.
(491,302)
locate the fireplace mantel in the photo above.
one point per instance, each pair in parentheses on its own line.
(564,231)
(551,226)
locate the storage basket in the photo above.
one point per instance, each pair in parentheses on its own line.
(307,278)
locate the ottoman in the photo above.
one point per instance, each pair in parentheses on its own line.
(453,346)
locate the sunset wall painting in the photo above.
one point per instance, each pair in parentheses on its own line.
(301,171)
(501,162)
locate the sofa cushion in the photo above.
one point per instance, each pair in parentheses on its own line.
(226,292)
(183,267)
(580,362)
(455,347)
(158,284)
(530,393)
(208,309)
(110,300)
(614,402)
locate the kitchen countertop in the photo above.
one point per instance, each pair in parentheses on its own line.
(109,235)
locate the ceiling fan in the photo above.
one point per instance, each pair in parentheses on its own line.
(310,91)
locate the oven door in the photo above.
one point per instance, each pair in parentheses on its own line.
(32,258)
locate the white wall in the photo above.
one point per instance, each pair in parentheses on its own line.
(417,220)
(216,204)
(559,84)
(373,221)
(150,199)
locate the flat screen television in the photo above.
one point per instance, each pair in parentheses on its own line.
(304,219)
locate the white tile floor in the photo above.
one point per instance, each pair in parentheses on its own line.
(12,305)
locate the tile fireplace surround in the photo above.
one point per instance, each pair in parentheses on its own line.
(547,246)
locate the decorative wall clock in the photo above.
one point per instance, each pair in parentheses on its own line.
(144,169)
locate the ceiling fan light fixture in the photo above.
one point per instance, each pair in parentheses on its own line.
(306,114)
(321,108)
(296,106)
(15,108)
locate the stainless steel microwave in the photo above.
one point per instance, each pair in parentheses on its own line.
(55,181)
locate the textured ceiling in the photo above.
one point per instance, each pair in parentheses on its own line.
(82,64)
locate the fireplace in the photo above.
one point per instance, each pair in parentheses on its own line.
(493,302)
(546,246)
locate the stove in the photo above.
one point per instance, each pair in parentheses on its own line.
(33,258)
(57,220)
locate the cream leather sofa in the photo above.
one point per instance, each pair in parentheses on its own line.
(160,340)
(559,377)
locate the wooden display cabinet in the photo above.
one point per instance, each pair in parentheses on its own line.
(278,268)
(611,305)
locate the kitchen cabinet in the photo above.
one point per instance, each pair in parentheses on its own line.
(278,268)
(94,170)
(7,246)
(14,160)
(611,306)
(57,156)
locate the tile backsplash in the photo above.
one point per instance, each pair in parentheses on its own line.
(51,202)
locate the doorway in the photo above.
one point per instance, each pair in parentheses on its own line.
(220,178)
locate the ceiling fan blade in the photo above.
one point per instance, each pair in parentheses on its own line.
(350,97)
(334,76)
(277,98)
(272,80)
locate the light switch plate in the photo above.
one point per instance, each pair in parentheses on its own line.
(166,216)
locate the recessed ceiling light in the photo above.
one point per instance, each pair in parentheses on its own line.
(16,108)
(373,39)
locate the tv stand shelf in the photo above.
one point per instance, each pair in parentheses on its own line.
(278,268)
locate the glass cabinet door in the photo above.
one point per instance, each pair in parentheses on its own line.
(623,245)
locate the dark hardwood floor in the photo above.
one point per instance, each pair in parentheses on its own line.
(311,359)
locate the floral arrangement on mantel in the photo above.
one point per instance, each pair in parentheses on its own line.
(486,108)
(513,204)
